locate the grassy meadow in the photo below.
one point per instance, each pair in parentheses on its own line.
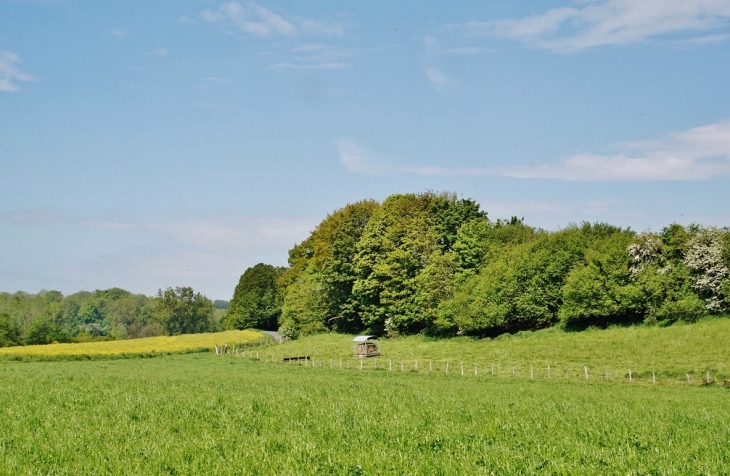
(194,413)
(148,345)
(206,414)
(669,352)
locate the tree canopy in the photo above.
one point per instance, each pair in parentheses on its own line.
(257,300)
(433,263)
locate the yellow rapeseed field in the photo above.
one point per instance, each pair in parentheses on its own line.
(138,346)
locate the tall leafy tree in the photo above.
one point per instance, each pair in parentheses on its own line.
(9,331)
(257,299)
(406,234)
(329,253)
(183,311)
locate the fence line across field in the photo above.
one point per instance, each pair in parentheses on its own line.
(253,351)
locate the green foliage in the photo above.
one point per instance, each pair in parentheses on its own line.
(329,252)
(42,330)
(601,292)
(288,330)
(521,285)
(256,300)
(9,331)
(221,304)
(304,303)
(402,237)
(183,311)
(432,263)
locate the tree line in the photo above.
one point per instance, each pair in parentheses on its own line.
(436,264)
(114,313)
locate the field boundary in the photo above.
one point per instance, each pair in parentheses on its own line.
(561,372)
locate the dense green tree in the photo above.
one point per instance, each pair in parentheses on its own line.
(330,251)
(257,299)
(9,331)
(304,310)
(183,311)
(448,213)
(397,243)
(403,237)
(601,291)
(42,330)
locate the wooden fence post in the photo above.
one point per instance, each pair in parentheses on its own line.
(585,369)
(631,379)
(475,369)
(462,368)
(653,377)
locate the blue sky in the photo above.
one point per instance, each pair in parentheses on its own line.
(153,144)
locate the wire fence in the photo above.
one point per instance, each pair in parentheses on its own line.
(259,351)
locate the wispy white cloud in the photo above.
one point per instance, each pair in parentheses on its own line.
(463,51)
(10,72)
(700,153)
(326,66)
(436,76)
(257,20)
(314,56)
(118,31)
(607,22)
(356,159)
(159,52)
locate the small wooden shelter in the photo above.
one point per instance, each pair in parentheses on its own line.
(366,346)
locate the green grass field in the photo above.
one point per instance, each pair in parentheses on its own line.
(669,352)
(208,414)
(203,413)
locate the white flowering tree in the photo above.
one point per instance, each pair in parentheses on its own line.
(657,267)
(705,259)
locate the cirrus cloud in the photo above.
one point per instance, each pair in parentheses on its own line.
(257,20)
(699,153)
(10,72)
(607,22)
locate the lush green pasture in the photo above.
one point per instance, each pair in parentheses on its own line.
(208,414)
(670,352)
